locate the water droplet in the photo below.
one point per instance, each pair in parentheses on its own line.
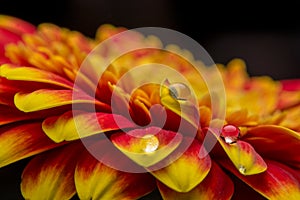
(179,91)
(230,133)
(242,169)
(149,143)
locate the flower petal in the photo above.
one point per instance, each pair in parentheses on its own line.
(10,114)
(185,173)
(21,141)
(275,142)
(73,125)
(16,25)
(51,175)
(95,180)
(290,84)
(277,182)
(44,99)
(216,185)
(243,156)
(147,146)
(33,74)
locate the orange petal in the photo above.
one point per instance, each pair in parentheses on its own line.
(95,180)
(275,142)
(44,99)
(16,25)
(243,156)
(147,146)
(21,141)
(33,74)
(185,173)
(51,175)
(216,185)
(278,182)
(6,37)
(73,125)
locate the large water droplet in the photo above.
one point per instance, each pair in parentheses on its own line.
(230,133)
(242,169)
(179,91)
(149,143)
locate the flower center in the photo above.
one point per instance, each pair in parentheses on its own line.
(149,143)
(230,133)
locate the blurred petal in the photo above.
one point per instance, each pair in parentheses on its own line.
(290,84)
(95,180)
(43,99)
(243,156)
(33,74)
(216,185)
(73,125)
(51,175)
(21,141)
(16,25)
(147,146)
(277,182)
(185,173)
(6,37)
(275,142)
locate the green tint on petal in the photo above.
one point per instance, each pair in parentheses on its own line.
(147,146)
(185,173)
(74,125)
(243,156)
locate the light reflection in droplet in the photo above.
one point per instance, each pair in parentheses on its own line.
(149,143)
(179,91)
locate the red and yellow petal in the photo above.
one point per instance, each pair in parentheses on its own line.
(147,146)
(12,72)
(243,156)
(275,142)
(16,25)
(216,185)
(51,175)
(185,173)
(95,180)
(277,182)
(73,125)
(44,99)
(22,141)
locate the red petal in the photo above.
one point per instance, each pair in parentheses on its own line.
(51,175)
(278,182)
(95,180)
(291,84)
(21,141)
(16,25)
(216,185)
(275,142)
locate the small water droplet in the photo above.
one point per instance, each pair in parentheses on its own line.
(230,133)
(242,169)
(149,143)
(179,91)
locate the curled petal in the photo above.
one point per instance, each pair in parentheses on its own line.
(275,142)
(33,74)
(147,146)
(243,156)
(216,185)
(73,125)
(277,182)
(95,180)
(44,99)
(22,141)
(185,173)
(51,175)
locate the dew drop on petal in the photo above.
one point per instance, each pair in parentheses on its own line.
(230,133)
(179,91)
(242,169)
(149,143)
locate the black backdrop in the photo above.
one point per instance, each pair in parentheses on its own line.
(267,37)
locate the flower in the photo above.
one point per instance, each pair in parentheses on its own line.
(44,115)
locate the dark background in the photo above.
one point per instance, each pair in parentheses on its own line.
(267,37)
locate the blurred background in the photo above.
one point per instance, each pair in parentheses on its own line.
(267,37)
